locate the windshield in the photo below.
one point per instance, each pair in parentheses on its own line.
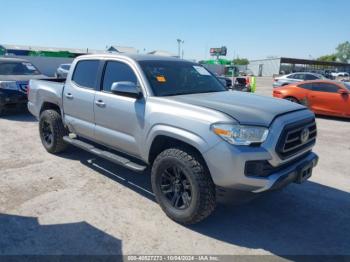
(169,78)
(18,68)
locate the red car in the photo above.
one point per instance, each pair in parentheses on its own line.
(323,97)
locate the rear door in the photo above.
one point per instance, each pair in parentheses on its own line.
(296,78)
(78,98)
(119,119)
(325,99)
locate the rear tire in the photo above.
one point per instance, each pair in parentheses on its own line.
(182,185)
(52,131)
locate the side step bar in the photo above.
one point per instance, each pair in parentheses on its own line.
(119,160)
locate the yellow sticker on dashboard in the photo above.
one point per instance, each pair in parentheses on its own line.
(161,79)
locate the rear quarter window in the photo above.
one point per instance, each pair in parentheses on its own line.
(85,73)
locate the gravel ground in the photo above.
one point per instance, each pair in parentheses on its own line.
(76,204)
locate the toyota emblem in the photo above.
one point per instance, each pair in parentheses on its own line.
(304,136)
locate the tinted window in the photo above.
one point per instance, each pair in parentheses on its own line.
(117,72)
(325,87)
(85,73)
(306,86)
(291,76)
(169,78)
(18,68)
(310,77)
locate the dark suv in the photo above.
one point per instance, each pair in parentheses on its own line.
(14,77)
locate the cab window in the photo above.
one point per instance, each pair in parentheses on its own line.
(85,73)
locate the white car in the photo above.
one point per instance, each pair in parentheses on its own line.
(336,74)
(62,71)
(296,77)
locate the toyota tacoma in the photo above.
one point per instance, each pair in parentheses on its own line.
(180,120)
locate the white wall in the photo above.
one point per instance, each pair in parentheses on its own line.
(270,67)
(46,65)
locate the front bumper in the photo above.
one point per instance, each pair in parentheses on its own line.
(12,97)
(297,173)
(227,163)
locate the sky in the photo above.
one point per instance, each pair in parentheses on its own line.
(253,29)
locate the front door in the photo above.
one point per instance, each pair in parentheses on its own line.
(119,119)
(325,99)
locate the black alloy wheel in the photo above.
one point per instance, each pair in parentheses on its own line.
(176,187)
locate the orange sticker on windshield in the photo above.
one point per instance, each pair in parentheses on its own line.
(161,79)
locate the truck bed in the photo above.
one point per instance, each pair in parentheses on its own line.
(44,90)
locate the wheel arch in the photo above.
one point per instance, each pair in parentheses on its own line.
(166,137)
(293,97)
(50,106)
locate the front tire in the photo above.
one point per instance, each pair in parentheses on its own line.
(183,186)
(52,131)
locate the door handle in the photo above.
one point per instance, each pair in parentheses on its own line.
(69,96)
(100,103)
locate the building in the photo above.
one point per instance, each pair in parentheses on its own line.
(26,50)
(284,65)
(122,49)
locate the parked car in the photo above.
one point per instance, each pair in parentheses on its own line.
(340,74)
(296,77)
(241,84)
(14,77)
(176,117)
(324,97)
(62,71)
(328,74)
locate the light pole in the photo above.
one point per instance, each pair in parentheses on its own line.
(179,42)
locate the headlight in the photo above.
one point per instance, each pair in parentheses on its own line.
(9,85)
(240,135)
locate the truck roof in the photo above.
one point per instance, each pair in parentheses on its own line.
(136,57)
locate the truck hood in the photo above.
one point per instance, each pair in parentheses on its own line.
(246,108)
(21,77)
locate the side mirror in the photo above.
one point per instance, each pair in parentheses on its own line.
(126,88)
(343,92)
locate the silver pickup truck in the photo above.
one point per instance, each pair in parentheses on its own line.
(179,119)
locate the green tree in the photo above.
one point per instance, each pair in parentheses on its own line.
(240,61)
(343,52)
(328,58)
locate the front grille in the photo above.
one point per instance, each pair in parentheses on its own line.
(296,137)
